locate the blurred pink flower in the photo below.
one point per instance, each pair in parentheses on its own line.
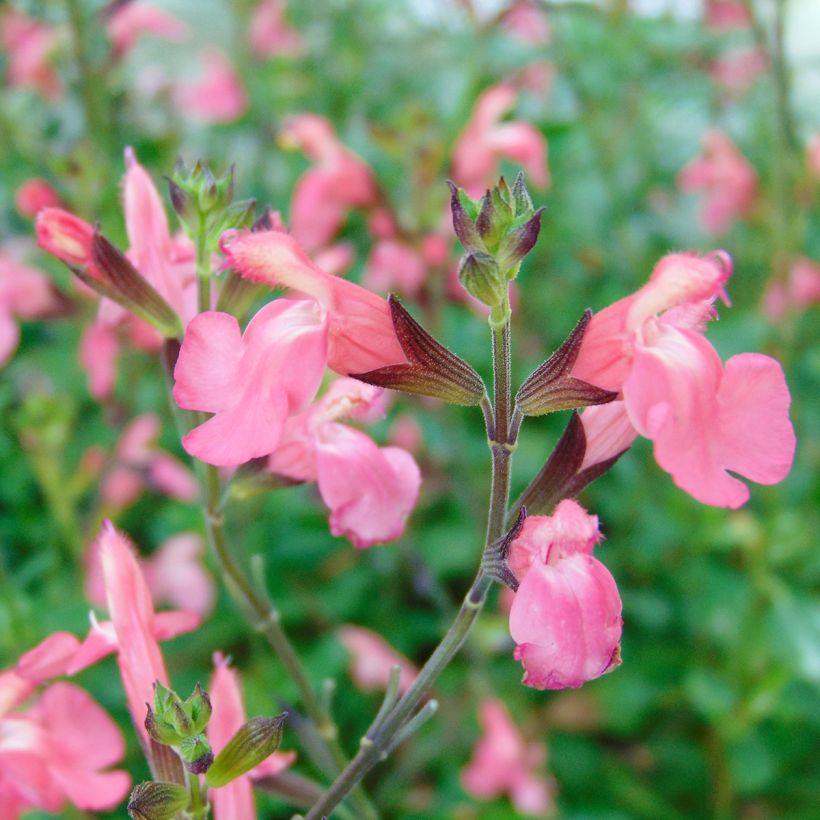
(813,156)
(725,15)
(29,44)
(338,181)
(566,616)
(703,418)
(235,801)
(335,259)
(372,658)
(395,266)
(800,291)
(25,293)
(370,490)
(34,195)
(736,69)
(57,750)
(251,382)
(99,348)
(528,23)
(504,762)
(269,34)
(217,96)
(728,182)
(360,331)
(131,21)
(405,432)
(485,141)
(139,461)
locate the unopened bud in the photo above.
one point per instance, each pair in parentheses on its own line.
(172,720)
(517,243)
(254,741)
(196,754)
(157,801)
(521,197)
(481,278)
(496,216)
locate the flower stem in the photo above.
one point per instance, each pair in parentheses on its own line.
(376,743)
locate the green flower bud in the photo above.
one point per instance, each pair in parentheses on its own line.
(254,741)
(157,801)
(481,278)
(172,719)
(196,754)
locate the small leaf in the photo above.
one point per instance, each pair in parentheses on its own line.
(252,743)
(552,387)
(433,370)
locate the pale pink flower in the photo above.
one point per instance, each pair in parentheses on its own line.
(25,293)
(338,181)
(372,658)
(29,44)
(394,265)
(736,69)
(34,195)
(58,750)
(504,762)
(217,96)
(370,490)
(235,801)
(726,15)
(99,348)
(728,182)
(361,336)
(335,259)
(703,418)
(406,432)
(566,616)
(813,156)
(525,21)
(485,141)
(800,291)
(251,382)
(269,34)
(133,20)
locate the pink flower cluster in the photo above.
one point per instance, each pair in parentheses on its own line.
(798,293)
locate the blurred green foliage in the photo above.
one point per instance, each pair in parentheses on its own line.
(716,708)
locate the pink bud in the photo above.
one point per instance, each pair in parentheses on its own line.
(66,236)
(372,658)
(34,195)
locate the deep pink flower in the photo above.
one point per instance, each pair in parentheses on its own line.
(360,331)
(338,181)
(503,761)
(485,141)
(703,418)
(34,195)
(372,658)
(235,801)
(566,616)
(131,21)
(29,44)
(728,182)
(269,34)
(370,490)
(251,382)
(217,96)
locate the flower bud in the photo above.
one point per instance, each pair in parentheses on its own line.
(157,801)
(481,278)
(196,754)
(172,720)
(252,743)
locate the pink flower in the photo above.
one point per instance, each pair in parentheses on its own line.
(338,181)
(728,181)
(58,750)
(131,21)
(235,801)
(29,45)
(269,34)
(394,265)
(99,348)
(67,237)
(217,96)
(504,762)
(527,23)
(813,156)
(372,658)
(799,292)
(370,490)
(703,418)
(725,15)
(360,331)
(251,382)
(608,432)
(25,293)
(485,141)
(34,195)
(335,259)
(737,69)
(566,616)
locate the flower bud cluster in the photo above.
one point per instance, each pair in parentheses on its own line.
(497,232)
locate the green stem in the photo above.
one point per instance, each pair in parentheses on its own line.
(199,806)
(377,740)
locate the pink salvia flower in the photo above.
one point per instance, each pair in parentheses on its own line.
(67,237)
(566,616)
(726,15)
(608,432)
(372,658)
(270,35)
(736,70)
(34,195)
(235,801)
(370,490)
(99,348)
(338,181)
(503,762)
(131,21)
(728,182)
(527,23)
(335,259)
(485,141)
(29,44)
(49,659)
(395,266)
(360,331)
(703,417)
(217,96)
(251,382)
(798,293)
(813,156)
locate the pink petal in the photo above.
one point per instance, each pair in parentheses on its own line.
(317,212)
(14,689)
(34,195)
(175,574)
(99,348)
(372,658)
(166,625)
(49,658)
(170,476)
(9,335)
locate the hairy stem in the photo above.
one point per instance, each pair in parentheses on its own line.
(377,741)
